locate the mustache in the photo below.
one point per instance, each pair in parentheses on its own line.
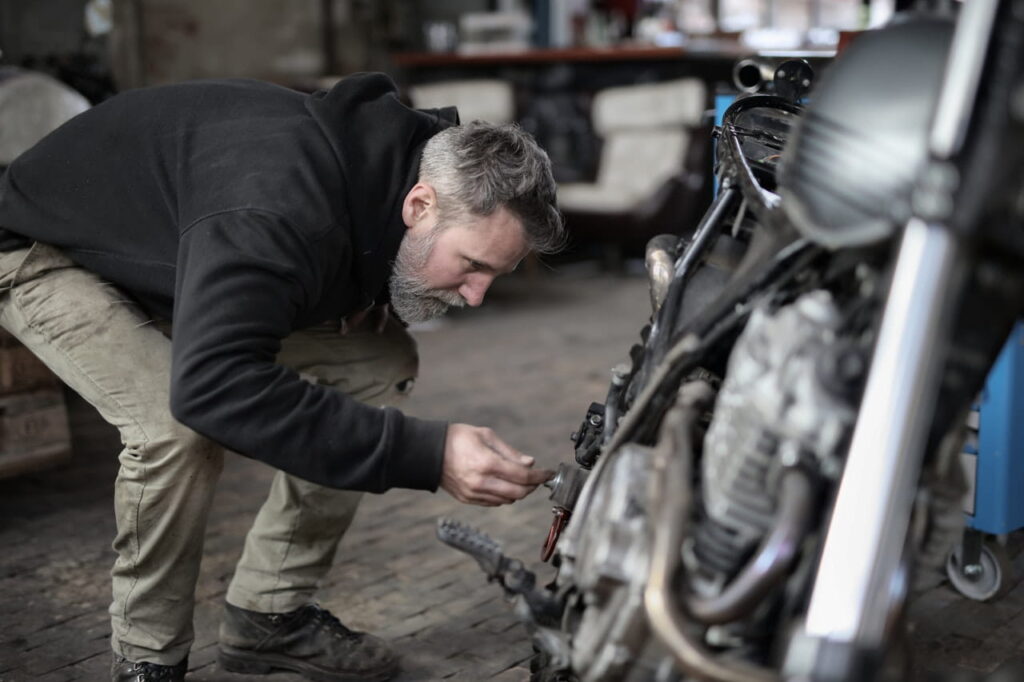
(452,299)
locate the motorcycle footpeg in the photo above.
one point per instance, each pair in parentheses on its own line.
(541,607)
(476,544)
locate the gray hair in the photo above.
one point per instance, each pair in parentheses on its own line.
(479,167)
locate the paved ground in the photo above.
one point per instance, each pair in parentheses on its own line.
(528,364)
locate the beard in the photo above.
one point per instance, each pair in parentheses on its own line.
(411,298)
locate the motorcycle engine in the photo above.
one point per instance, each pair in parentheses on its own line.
(784,402)
(608,561)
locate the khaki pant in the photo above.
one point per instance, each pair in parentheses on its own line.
(110,352)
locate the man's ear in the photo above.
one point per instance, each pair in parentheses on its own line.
(419,204)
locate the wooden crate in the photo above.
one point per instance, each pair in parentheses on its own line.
(34,431)
(33,417)
(20,370)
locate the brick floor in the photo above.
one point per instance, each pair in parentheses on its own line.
(527,364)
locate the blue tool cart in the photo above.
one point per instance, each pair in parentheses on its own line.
(994,462)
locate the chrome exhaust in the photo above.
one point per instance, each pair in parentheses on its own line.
(671,497)
(771,564)
(660,266)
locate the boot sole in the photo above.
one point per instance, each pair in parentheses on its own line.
(255,663)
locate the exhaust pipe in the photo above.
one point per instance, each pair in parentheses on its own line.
(672,498)
(754,75)
(659,260)
(787,78)
(770,565)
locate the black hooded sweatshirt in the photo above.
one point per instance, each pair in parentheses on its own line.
(243,211)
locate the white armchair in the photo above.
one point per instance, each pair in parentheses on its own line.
(651,163)
(482,99)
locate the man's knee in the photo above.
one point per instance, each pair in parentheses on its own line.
(167,445)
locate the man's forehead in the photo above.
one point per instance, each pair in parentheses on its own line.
(498,242)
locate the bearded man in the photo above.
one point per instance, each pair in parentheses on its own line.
(207,264)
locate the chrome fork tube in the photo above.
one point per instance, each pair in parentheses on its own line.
(850,601)
(868,529)
(853,593)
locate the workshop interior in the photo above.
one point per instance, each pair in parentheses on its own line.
(777,368)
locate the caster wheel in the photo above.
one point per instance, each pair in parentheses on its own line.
(992,578)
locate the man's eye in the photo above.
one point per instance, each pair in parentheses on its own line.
(475,265)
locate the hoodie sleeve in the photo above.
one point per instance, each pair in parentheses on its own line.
(243,277)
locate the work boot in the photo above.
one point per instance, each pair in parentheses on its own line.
(123,670)
(309,641)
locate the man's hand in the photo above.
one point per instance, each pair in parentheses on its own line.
(480,468)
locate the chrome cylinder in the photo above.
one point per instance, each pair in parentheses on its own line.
(850,601)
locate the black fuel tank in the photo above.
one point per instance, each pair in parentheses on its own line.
(851,163)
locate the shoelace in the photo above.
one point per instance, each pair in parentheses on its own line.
(329,621)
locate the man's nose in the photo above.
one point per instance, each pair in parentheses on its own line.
(474,288)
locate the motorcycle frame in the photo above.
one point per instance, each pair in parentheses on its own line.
(862,570)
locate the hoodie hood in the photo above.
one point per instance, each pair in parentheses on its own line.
(378,142)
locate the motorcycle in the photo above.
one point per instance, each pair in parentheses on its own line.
(780,458)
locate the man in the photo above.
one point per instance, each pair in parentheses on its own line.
(270,228)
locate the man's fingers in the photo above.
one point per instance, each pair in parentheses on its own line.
(483,498)
(538,476)
(507,491)
(516,473)
(495,491)
(508,452)
(480,468)
(485,501)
